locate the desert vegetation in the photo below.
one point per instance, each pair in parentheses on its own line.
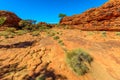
(61,15)
(79,61)
(2,20)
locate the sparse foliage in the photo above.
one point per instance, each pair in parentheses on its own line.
(118,33)
(27,24)
(35,33)
(56,37)
(61,15)
(2,20)
(21,32)
(11,30)
(79,61)
(104,33)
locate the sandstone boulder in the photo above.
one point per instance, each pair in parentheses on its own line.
(11,19)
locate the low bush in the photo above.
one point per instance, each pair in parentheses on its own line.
(56,37)
(43,28)
(61,42)
(79,61)
(7,34)
(2,20)
(4,33)
(118,33)
(35,33)
(11,30)
(21,32)
(104,33)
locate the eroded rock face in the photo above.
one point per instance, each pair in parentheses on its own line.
(11,19)
(108,15)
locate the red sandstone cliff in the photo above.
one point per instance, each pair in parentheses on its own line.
(102,18)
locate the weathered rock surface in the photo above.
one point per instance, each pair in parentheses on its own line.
(26,57)
(106,17)
(11,19)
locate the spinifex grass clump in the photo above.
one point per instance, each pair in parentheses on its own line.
(104,33)
(35,33)
(2,20)
(79,61)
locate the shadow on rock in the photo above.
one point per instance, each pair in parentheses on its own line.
(18,45)
(46,74)
(50,75)
(6,69)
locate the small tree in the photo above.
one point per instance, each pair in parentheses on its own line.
(61,15)
(27,24)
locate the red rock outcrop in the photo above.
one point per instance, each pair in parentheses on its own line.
(11,19)
(106,17)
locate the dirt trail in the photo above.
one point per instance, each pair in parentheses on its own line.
(28,58)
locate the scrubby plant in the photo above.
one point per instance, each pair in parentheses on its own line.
(43,28)
(21,32)
(7,34)
(91,33)
(27,25)
(4,33)
(79,61)
(118,33)
(35,33)
(11,36)
(60,42)
(56,37)
(51,33)
(11,30)
(104,33)
(2,20)
(61,15)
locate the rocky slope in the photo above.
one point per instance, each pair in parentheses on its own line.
(28,58)
(11,19)
(106,17)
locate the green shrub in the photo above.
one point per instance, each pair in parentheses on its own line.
(41,78)
(90,33)
(61,15)
(79,61)
(7,34)
(11,30)
(11,36)
(21,32)
(43,28)
(24,23)
(27,25)
(60,42)
(104,33)
(35,33)
(118,33)
(51,33)
(4,33)
(56,37)
(2,20)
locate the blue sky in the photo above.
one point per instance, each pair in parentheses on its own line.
(48,10)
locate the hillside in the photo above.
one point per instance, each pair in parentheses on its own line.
(105,17)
